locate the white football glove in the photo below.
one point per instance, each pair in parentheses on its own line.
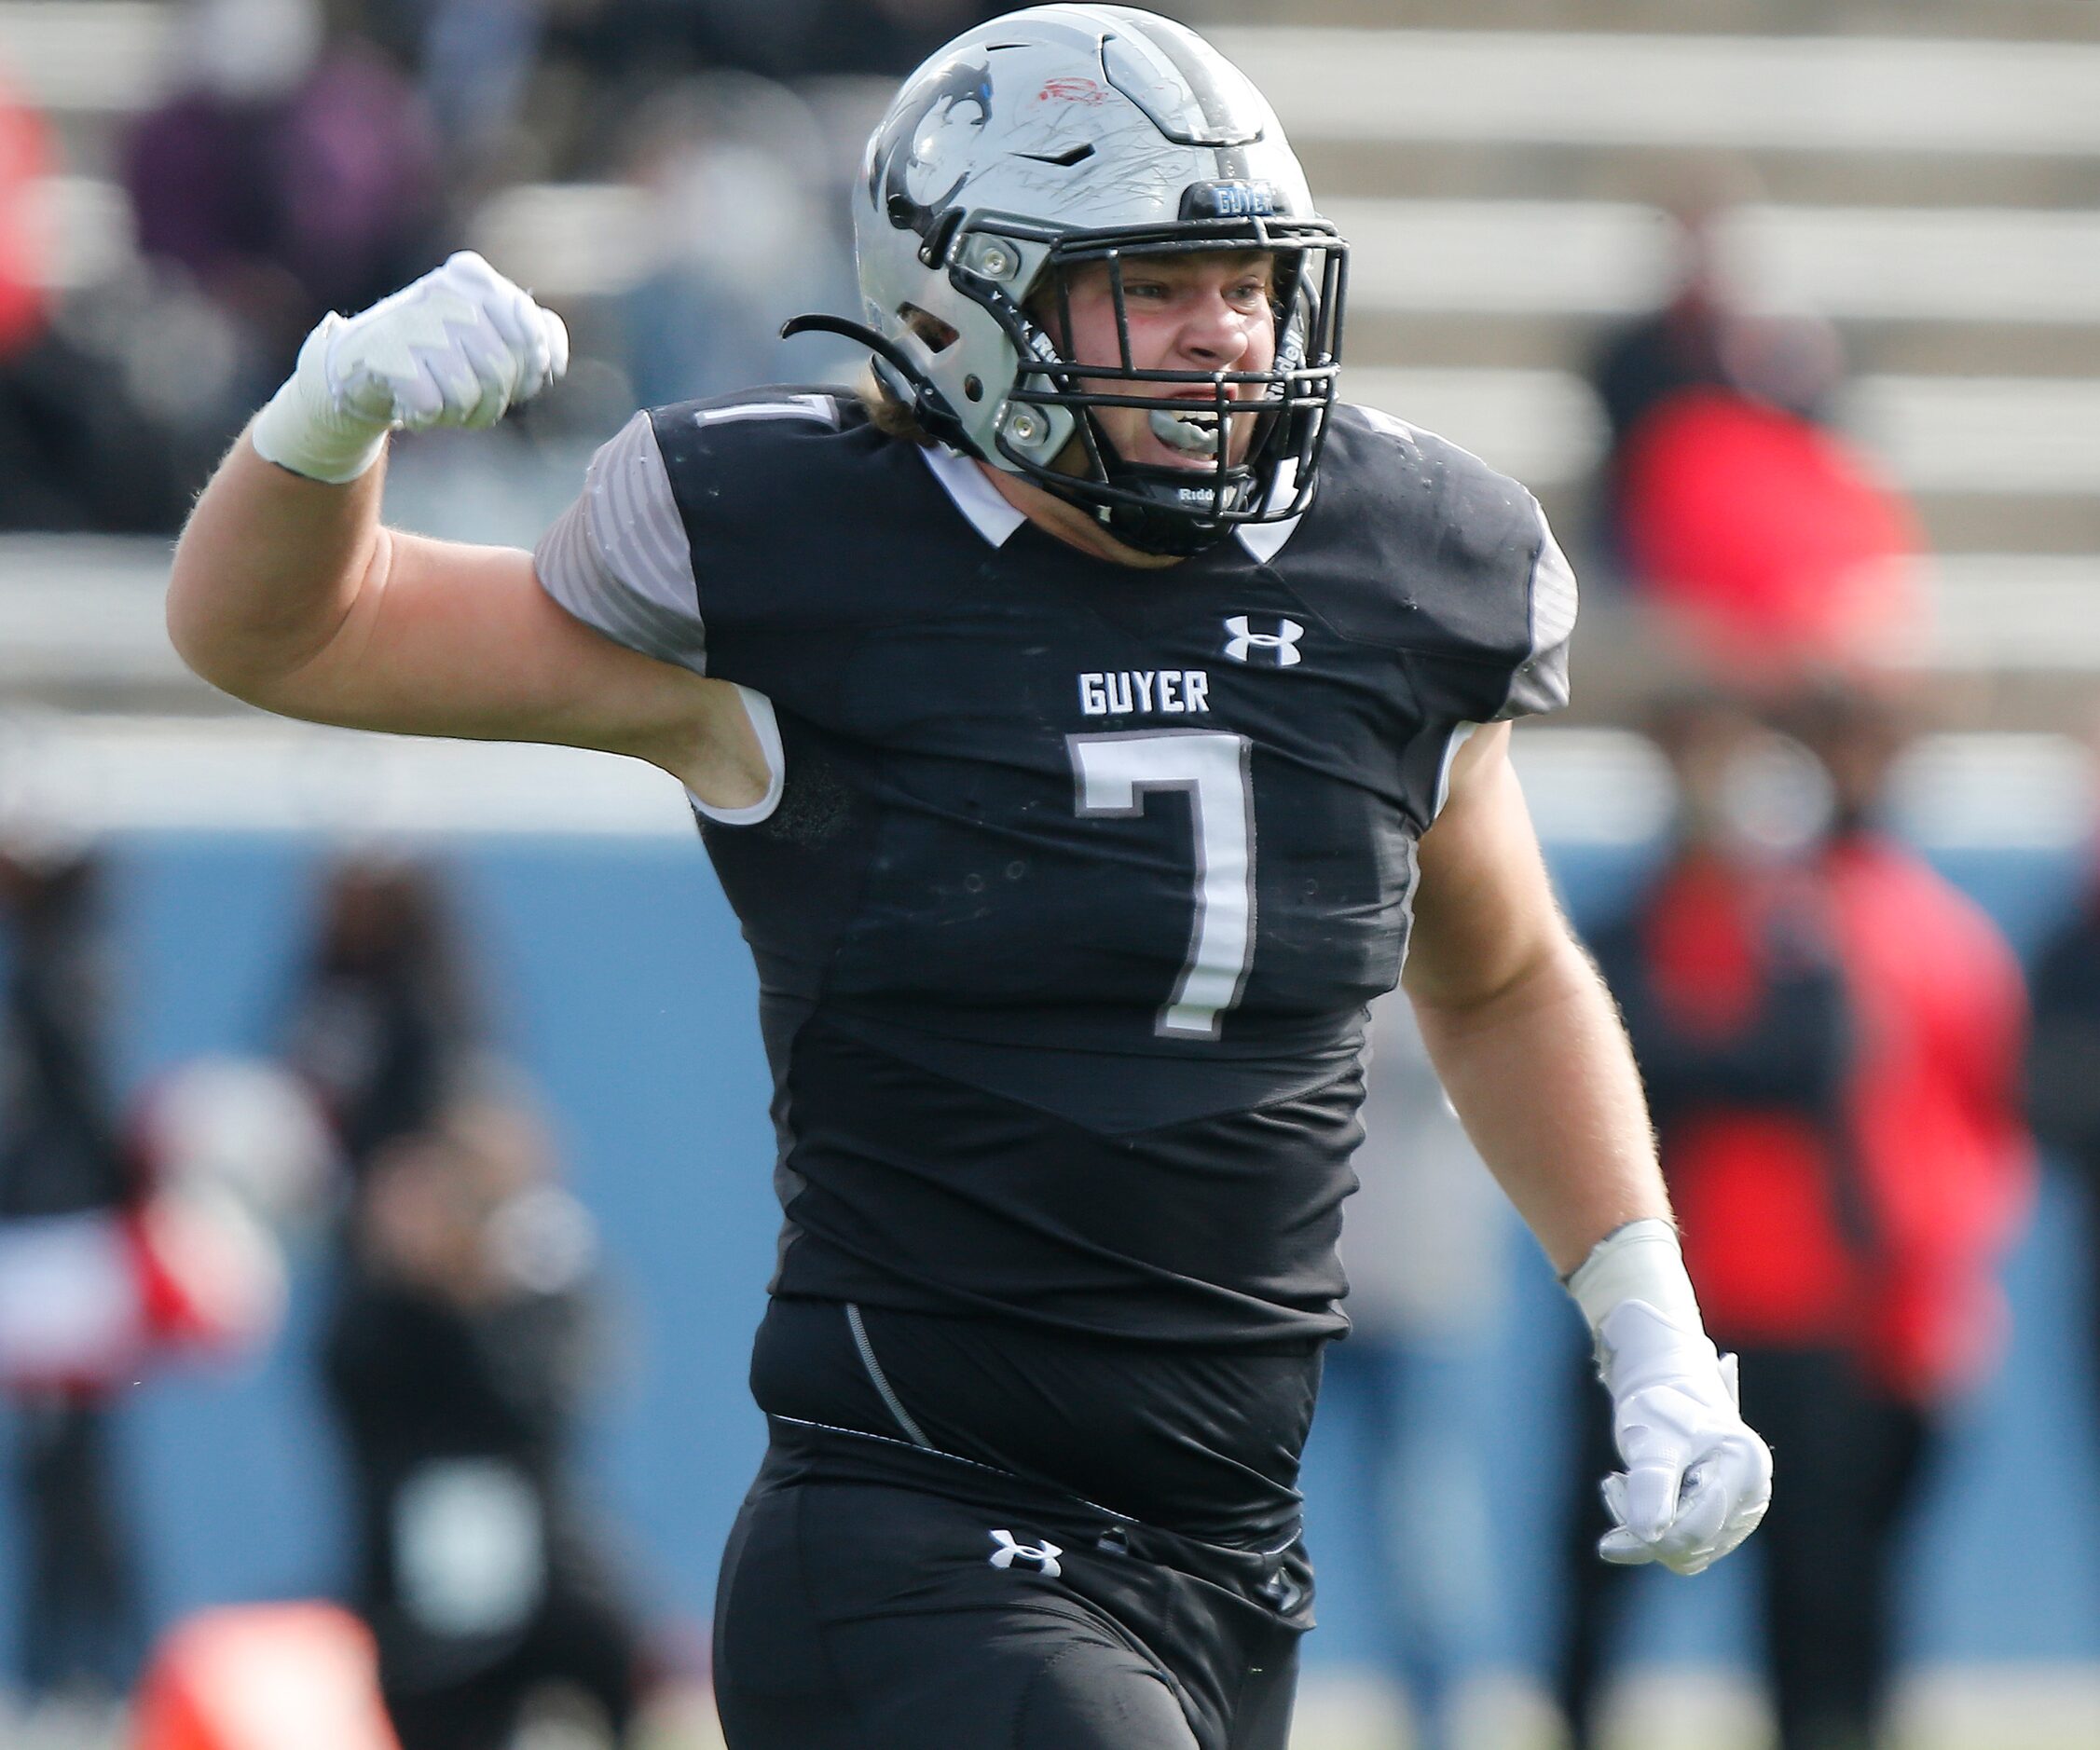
(1697,1478)
(458,348)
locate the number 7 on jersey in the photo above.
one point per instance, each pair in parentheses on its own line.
(1116,774)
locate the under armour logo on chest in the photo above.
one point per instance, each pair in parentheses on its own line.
(1042,1556)
(1279,648)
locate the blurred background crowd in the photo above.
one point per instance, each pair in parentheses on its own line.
(364,1074)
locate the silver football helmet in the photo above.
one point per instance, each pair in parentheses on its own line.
(1070,135)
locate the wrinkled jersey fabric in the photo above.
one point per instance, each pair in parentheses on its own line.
(1080,876)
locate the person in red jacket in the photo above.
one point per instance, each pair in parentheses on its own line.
(1831,1035)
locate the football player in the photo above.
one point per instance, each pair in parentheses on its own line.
(1084,720)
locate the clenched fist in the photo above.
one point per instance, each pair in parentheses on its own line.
(459,347)
(1697,1478)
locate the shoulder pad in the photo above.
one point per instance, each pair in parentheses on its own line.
(1443,556)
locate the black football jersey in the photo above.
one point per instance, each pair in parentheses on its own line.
(1076,877)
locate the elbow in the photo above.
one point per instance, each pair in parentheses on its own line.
(191,629)
(209,648)
(201,609)
(188,631)
(1480,990)
(260,636)
(265,577)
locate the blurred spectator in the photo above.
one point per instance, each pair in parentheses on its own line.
(63,1183)
(121,1239)
(1830,1034)
(288,175)
(1679,346)
(382,1021)
(884,36)
(1768,543)
(477,57)
(635,45)
(463,1332)
(1424,1246)
(2063,1066)
(1766,540)
(737,172)
(78,448)
(602,62)
(25,258)
(1703,336)
(60,1153)
(457,1360)
(291,174)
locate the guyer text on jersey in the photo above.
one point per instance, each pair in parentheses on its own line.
(1118,692)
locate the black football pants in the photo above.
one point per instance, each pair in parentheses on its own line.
(81,1616)
(864,1615)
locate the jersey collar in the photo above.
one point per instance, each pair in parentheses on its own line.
(996,519)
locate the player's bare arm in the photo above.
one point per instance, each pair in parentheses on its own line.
(1523,1034)
(288,592)
(1530,1047)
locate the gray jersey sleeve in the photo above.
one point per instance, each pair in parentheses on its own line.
(1541,681)
(619,559)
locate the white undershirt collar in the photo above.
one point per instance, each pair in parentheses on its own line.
(975,497)
(994,518)
(1264,540)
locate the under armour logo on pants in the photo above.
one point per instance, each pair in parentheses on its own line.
(1282,643)
(1042,1557)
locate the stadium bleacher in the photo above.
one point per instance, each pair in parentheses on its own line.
(1928,174)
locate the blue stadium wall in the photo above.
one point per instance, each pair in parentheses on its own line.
(621,982)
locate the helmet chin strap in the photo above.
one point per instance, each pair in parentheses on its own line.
(1159,529)
(1164,525)
(1160,532)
